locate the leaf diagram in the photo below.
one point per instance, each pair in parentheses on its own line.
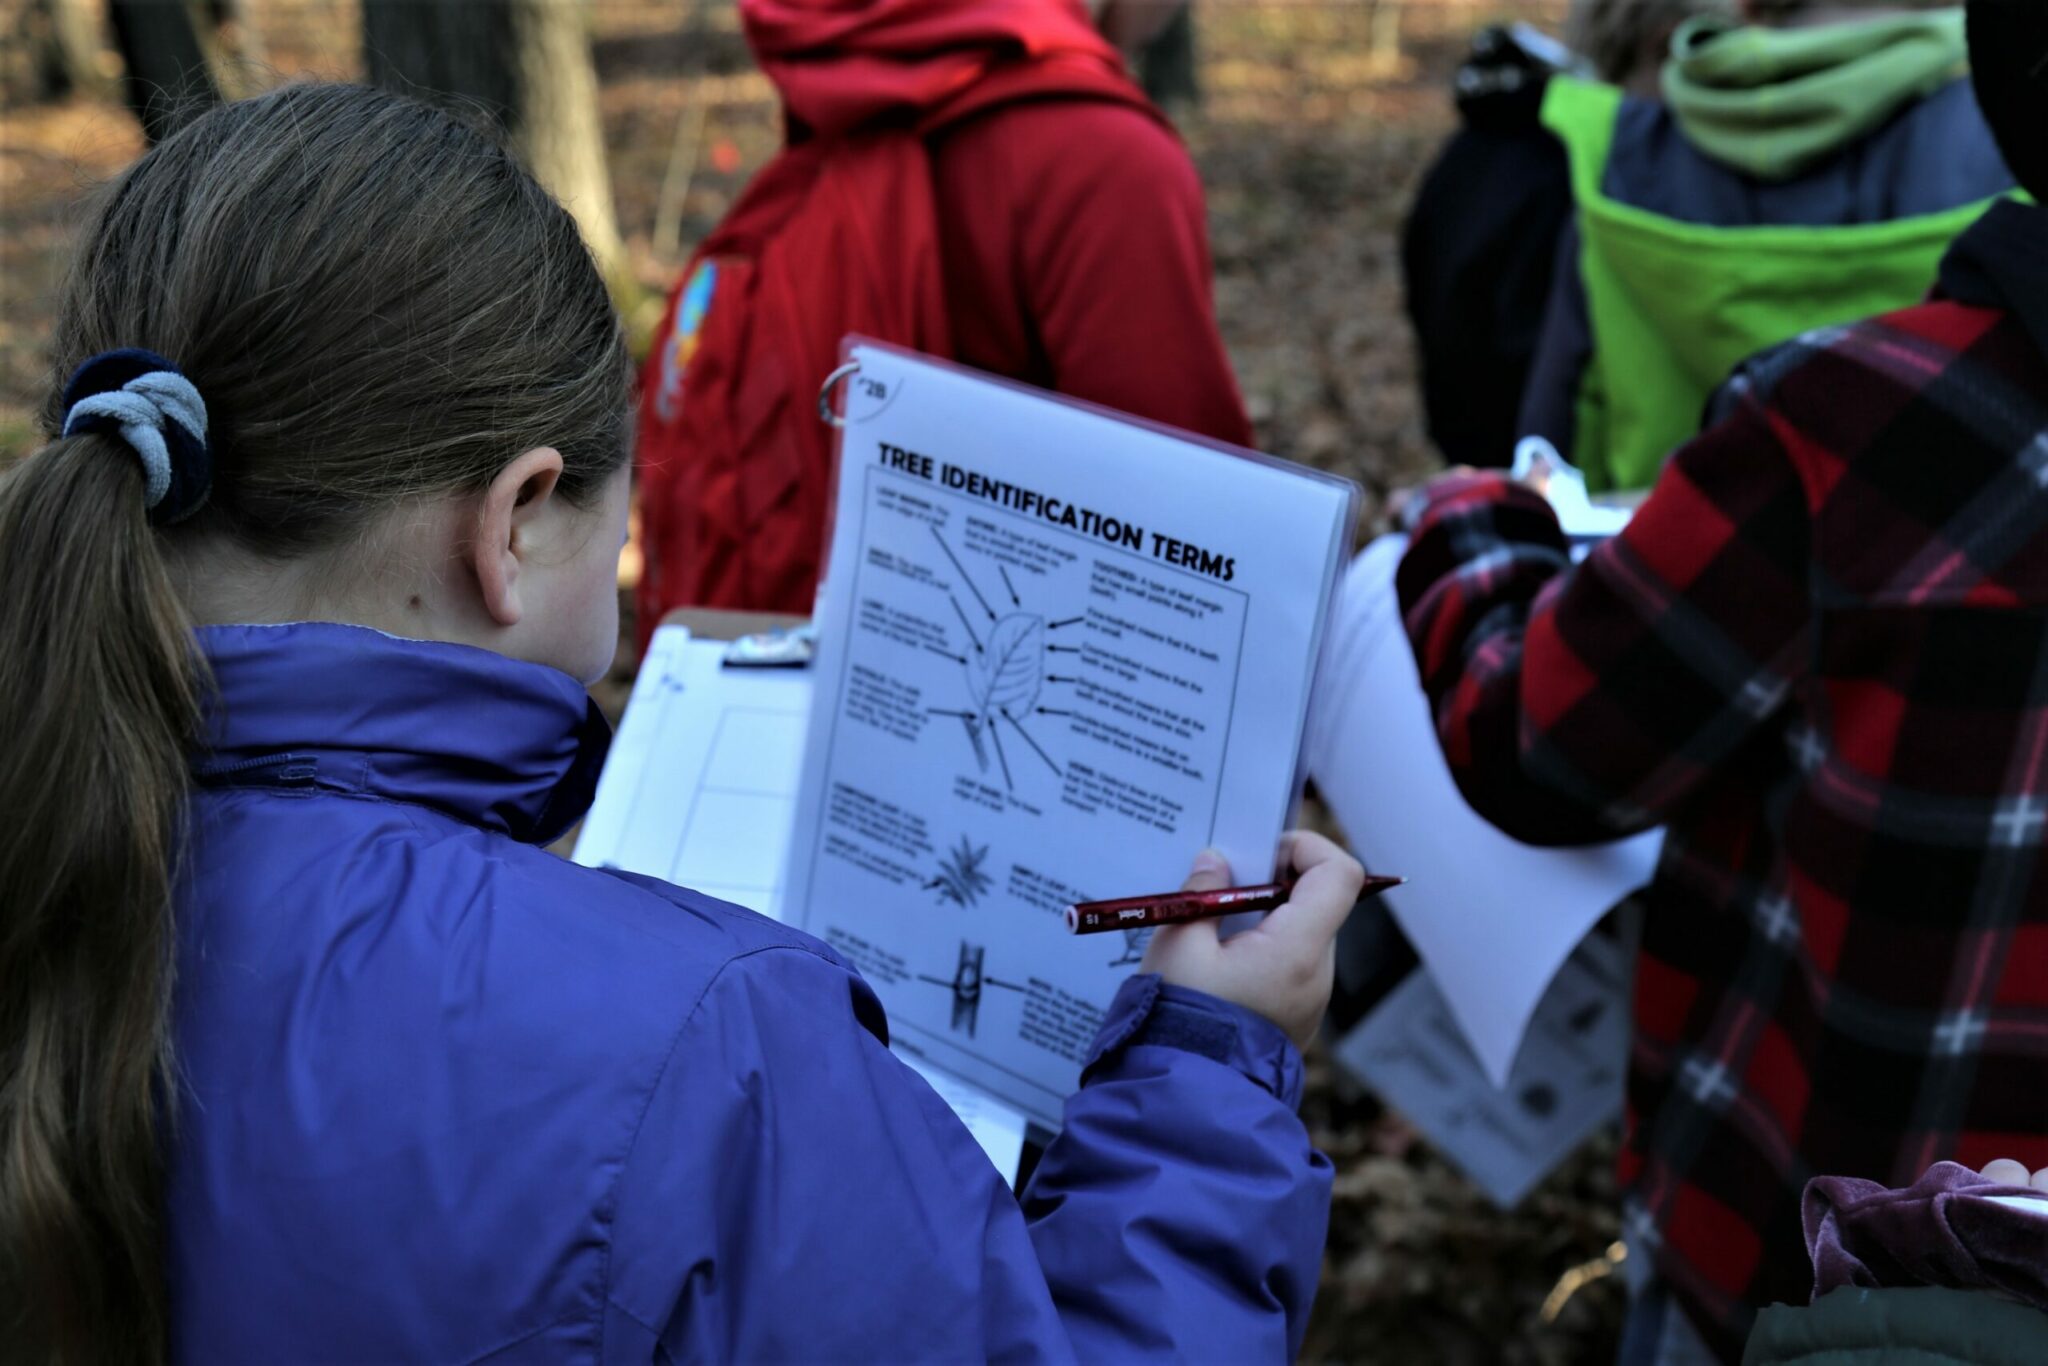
(1003,678)
(1007,671)
(961,880)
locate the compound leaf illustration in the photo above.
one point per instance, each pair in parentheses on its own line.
(961,879)
(1010,669)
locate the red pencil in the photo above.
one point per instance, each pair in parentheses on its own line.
(1172,908)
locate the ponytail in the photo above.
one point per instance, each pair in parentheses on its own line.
(352,302)
(99,682)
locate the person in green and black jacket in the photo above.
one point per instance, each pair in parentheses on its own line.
(1806,166)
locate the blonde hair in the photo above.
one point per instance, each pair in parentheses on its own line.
(1614,34)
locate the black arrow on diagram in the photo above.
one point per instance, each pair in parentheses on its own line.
(1028,740)
(1015,601)
(1053,711)
(1052,678)
(1070,621)
(961,570)
(1068,649)
(947,654)
(962,614)
(996,736)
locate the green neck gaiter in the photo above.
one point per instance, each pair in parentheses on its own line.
(1773,102)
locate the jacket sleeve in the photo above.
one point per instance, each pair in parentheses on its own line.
(795,1193)
(1576,705)
(1182,1211)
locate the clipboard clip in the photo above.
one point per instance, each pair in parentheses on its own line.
(825,413)
(792,647)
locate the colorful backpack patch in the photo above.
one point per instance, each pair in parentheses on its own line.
(682,342)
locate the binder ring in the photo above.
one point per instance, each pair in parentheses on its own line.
(825,413)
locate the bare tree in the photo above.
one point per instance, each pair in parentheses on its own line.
(76,44)
(1158,40)
(524,63)
(165,78)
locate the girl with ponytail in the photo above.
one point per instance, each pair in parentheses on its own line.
(308,1050)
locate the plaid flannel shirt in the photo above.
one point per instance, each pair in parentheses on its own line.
(1819,657)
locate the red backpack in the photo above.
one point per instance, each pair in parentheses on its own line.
(839,234)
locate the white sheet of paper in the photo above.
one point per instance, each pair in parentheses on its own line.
(1578,515)
(2028,1204)
(1491,918)
(1032,690)
(1566,1082)
(700,787)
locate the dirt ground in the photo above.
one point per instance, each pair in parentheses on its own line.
(1318,118)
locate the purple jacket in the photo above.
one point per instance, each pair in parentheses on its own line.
(443,1096)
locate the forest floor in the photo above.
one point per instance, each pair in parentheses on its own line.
(1310,138)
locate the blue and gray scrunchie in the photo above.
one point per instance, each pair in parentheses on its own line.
(141,399)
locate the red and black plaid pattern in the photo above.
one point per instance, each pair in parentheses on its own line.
(1819,657)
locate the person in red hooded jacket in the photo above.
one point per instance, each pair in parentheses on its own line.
(977,179)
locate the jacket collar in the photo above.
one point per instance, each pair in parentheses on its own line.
(497,743)
(2002,262)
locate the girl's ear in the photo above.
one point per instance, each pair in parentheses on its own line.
(521,493)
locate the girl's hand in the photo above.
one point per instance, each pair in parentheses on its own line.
(2007,1172)
(1283,966)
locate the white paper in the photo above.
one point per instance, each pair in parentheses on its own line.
(995,1126)
(700,787)
(1566,1082)
(1491,918)
(1578,516)
(1013,713)
(2036,1205)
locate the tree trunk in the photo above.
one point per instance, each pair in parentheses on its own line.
(1157,38)
(1166,65)
(76,46)
(28,69)
(241,61)
(525,64)
(454,52)
(558,127)
(164,77)
(1385,53)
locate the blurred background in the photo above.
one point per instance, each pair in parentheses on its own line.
(1310,121)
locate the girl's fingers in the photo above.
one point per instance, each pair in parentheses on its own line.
(1304,851)
(1324,894)
(1211,872)
(1176,946)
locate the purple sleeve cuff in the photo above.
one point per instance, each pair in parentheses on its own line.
(1150,1013)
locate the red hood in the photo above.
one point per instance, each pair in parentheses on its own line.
(841,63)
